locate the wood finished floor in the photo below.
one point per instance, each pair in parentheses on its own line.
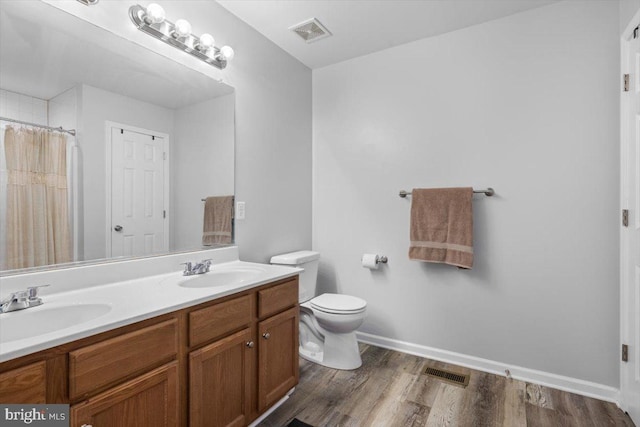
(390,390)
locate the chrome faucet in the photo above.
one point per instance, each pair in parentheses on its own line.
(21,300)
(199,268)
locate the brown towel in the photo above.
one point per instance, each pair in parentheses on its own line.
(442,226)
(218,212)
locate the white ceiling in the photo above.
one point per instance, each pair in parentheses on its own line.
(360,27)
(45,51)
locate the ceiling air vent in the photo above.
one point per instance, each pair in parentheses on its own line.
(311,30)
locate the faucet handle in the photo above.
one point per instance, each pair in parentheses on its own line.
(206,264)
(32,291)
(188,268)
(18,296)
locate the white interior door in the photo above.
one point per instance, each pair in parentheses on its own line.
(138,205)
(630,236)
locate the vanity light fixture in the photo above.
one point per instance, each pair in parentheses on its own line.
(152,21)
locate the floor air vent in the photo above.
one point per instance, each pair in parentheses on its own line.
(450,377)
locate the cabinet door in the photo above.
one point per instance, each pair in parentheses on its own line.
(278,368)
(150,400)
(219,379)
(24,385)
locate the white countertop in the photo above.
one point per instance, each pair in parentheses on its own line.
(123,303)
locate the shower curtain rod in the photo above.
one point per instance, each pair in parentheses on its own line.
(59,129)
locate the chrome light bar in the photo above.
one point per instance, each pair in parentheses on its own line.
(151,21)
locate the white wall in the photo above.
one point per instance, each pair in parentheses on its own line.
(201,165)
(18,106)
(273,137)
(63,109)
(98,106)
(628,8)
(528,105)
(273,132)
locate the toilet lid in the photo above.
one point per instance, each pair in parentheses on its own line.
(337,303)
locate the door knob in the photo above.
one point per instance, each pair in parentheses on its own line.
(118,228)
(266,335)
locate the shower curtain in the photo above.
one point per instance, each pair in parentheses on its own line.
(37,219)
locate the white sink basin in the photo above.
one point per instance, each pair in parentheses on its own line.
(221,277)
(31,322)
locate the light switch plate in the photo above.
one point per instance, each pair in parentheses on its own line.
(240,210)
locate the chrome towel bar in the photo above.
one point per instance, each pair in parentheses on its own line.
(488,192)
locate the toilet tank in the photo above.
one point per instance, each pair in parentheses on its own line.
(308,278)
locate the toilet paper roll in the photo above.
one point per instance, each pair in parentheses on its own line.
(370,261)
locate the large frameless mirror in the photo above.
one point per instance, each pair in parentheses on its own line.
(153,140)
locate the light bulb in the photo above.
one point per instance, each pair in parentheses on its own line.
(227,53)
(182,28)
(154,14)
(206,42)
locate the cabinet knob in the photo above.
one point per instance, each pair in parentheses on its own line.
(86,425)
(250,344)
(266,335)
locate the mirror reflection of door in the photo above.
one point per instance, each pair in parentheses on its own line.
(139,196)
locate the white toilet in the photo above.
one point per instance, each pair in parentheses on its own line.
(328,321)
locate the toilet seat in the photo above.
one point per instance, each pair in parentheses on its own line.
(338,304)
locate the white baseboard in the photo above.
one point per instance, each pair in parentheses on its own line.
(560,382)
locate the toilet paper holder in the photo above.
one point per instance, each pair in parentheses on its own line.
(373,261)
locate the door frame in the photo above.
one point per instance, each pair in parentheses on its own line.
(108,125)
(625,315)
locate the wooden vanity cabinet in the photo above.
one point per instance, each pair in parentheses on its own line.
(220,363)
(151,399)
(233,379)
(35,378)
(220,372)
(278,370)
(131,379)
(220,380)
(96,366)
(26,384)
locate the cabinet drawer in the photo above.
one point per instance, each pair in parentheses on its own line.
(217,320)
(276,298)
(24,385)
(104,363)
